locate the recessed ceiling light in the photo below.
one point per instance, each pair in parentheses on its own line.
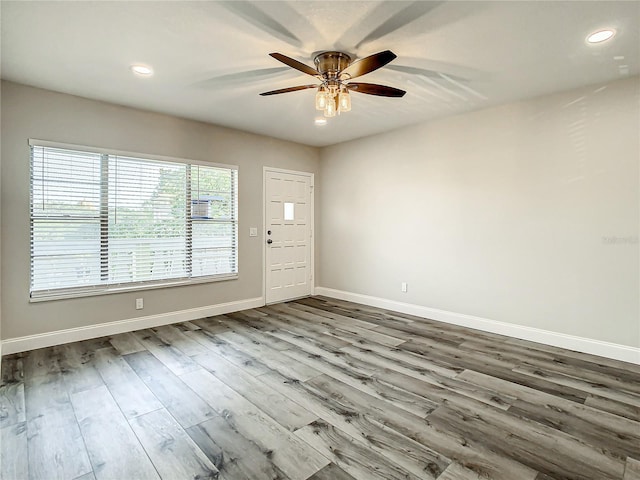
(320,121)
(600,36)
(142,70)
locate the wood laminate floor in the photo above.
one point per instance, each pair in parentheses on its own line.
(317,389)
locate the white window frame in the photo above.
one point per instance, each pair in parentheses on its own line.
(78,292)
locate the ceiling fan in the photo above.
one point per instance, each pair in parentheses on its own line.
(335,70)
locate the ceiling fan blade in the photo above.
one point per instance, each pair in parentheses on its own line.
(369,64)
(295,64)
(290,89)
(373,89)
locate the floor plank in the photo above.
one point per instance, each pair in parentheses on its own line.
(237,457)
(396,372)
(273,359)
(289,323)
(587,360)
(170,356)
(562,361)
(529,443)
(182,402)
(408,401)
(76,363)
(173,453)
(621,409)
(86,476)
(364,335)
(171,335)
(325,319)
(621,444)
(252,330)
(222,348)
(331,472)
(411,363)
(350,455)
(12,369)
(126,343)
(294,457)
(55,445)
(462,362)
(279,407)
(632,469)
(113,448)
(602,419)
(584,385)
(455,471)
(11,404)
(130,393)
(14,463)
(542,476)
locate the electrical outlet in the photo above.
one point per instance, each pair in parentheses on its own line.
(139,304)
(403,287)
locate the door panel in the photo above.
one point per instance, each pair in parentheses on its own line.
(288,266)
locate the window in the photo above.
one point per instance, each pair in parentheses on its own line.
(288,211)
(104,222)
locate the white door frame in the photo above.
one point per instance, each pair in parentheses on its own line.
(311,177)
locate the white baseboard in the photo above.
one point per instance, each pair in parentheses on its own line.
(570,342)
(31,342)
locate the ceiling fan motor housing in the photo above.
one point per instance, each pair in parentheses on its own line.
(330,64)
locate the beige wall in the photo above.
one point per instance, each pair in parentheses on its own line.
(33,113)
(526,213)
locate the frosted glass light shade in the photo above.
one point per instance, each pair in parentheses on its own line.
(330,109)
(321,100)
(344,101)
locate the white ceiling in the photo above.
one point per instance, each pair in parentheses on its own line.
(211,58)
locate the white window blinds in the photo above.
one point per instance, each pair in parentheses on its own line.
(103,222)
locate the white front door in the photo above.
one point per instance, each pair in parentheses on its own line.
(288,230)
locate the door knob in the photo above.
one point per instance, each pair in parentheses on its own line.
(269,241)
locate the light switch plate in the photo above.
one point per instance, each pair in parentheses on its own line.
(253,231)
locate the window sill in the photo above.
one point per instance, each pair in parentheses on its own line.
(129,288)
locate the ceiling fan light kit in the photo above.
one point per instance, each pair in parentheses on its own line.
(332,101)
(335,70)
